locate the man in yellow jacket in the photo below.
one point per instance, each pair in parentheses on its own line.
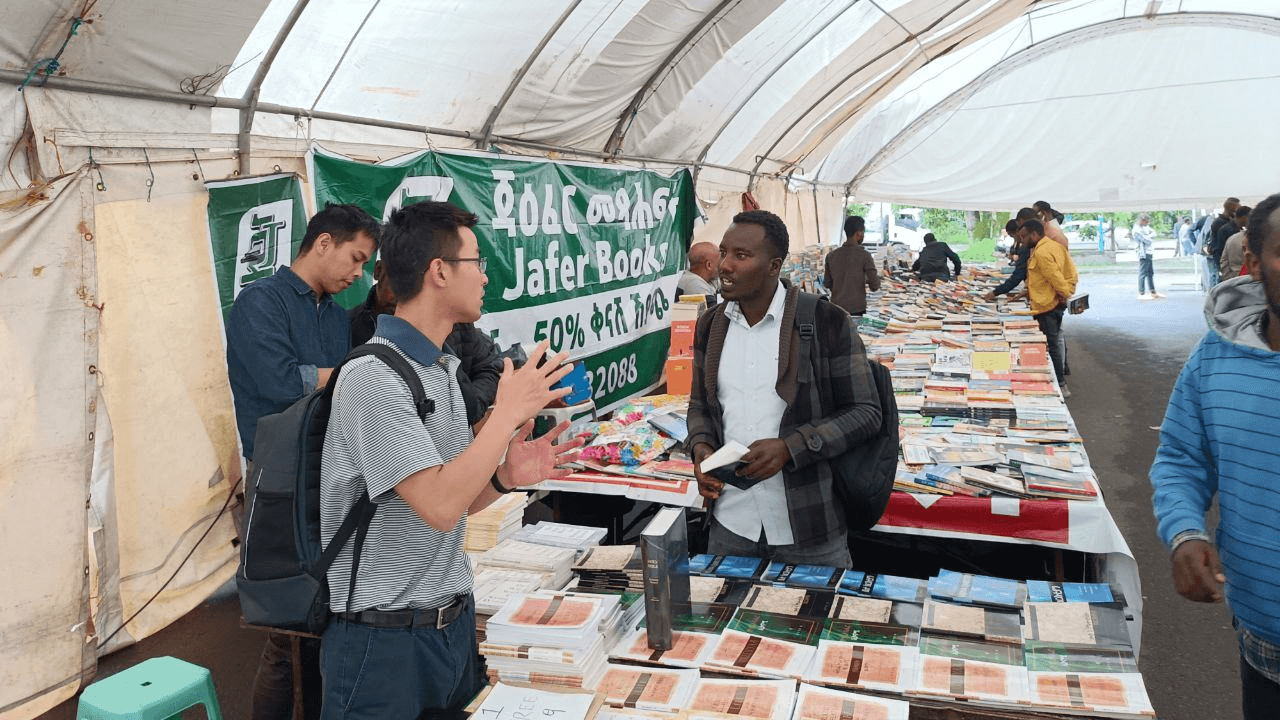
(1051,279)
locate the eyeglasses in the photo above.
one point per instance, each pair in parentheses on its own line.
(482,262)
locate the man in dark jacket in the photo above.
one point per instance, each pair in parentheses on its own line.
(481,364)
(1019,252)
(932,263)
(749,388)
(850,270)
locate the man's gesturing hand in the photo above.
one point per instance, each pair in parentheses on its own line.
(1196,572)
(532,461)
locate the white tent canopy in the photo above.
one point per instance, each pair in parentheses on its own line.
(936,102)
(118,448)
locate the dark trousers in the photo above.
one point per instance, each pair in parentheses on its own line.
(1146,276)
(724,541)
(1260,694)
(273,685)
(1051,325)
(392,673)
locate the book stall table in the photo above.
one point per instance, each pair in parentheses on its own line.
(638,633)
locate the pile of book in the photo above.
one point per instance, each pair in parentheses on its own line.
(495,523)
(579,538)
(554,564)
(552,638)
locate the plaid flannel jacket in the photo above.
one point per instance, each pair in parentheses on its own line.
(819,423)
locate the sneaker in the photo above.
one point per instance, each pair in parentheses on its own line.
(1143,296)
(1157,296)
(1066,392)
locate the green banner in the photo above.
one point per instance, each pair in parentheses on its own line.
(585,256)
(255,227)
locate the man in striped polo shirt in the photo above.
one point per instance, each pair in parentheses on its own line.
(405,641)
(1220,436)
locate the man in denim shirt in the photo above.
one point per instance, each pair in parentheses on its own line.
(285,333)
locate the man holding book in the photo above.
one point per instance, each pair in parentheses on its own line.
(1219,437)
(749,389)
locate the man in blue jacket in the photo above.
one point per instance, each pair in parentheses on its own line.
(1220,436)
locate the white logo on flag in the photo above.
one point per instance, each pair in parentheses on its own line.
(263,243)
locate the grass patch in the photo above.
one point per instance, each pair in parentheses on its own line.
(979,251)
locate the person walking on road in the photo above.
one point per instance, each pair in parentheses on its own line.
(1219,437)
(1143,239)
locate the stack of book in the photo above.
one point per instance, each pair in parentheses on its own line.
(579,538)
(495,523)
(821,703)
(550,638)
(759,699)
(611,569)
(646,688)
(552,563)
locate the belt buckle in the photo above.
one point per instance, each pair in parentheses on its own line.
(440,622)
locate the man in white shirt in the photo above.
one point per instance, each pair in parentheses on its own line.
(748,387)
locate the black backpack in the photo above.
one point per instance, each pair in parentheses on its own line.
(862,476)
(282,575)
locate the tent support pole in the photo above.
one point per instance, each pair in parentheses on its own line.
(624,120)
(13,77)
(486,132)
(250,100)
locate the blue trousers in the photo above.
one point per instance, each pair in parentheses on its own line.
(396,673)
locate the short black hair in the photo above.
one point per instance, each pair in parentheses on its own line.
(1243,211)
(1027,213)
(343,223)
(1011,227)
(854,224)
(775,231)
(1262,224)
(929,239)
(1034,226)
(416,235)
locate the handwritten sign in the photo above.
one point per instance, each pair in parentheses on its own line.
(517,703)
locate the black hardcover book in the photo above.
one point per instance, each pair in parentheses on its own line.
(664,543)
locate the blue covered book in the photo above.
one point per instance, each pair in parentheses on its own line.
(977,589)
(1043,591)
(820,577)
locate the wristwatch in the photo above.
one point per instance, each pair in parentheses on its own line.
(1186,536)
(493,480)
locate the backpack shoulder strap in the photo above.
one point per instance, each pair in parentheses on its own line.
(360,516)
(394,360)
(806,315)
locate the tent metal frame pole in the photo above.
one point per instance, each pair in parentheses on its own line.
(764,81)
(14,77)
(911,38)
(1050,45)
(486,132)
(614,145)
(250,99)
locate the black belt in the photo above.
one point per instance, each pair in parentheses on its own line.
(438,618)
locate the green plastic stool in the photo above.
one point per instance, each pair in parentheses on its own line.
(156,689)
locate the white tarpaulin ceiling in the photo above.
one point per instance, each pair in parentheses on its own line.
(118,455)
(983,104)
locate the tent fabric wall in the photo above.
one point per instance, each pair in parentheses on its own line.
(164,385)
(49,349)
(109,325)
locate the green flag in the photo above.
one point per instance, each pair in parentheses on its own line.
(586,256)
(255,227)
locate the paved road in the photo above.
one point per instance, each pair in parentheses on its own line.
(1125,355)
